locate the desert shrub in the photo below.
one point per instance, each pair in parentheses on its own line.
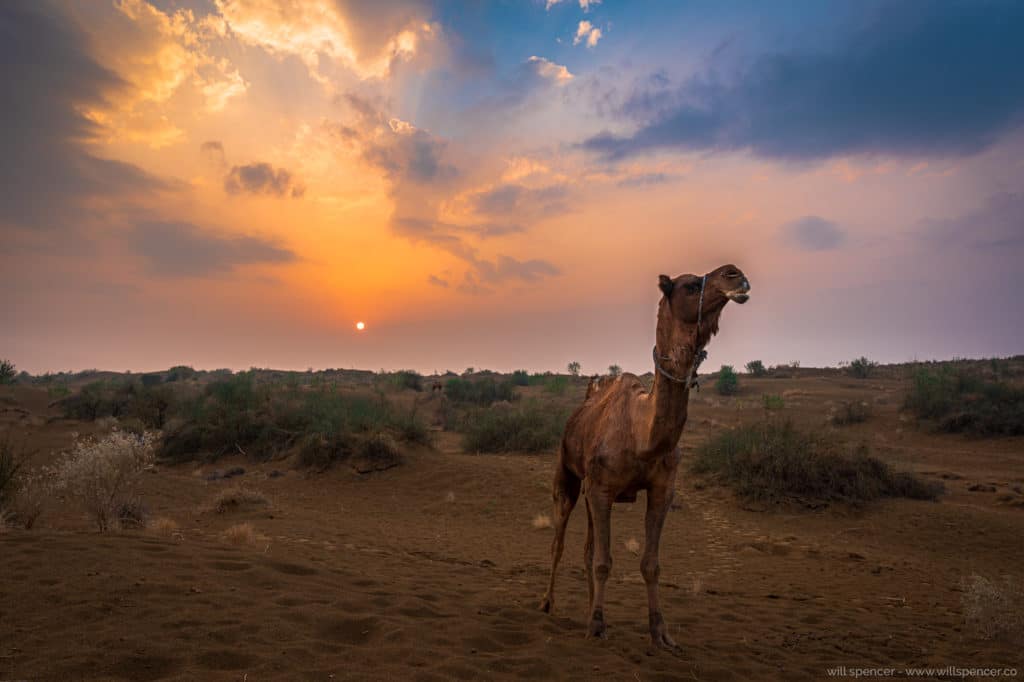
(776,461)
(851,412)
(237,497)
(482,392)
(408,379)
(993,609)
(318,451)
(574,368)
(104,474)
(861,367)
(132,513)
(7,372)
(614,370)
(756,368)
(529,428)
(557,384)
(728,382)
(181,373)
(773,402)
(11,460)
(243,534)
(379,447)
(959,400)
(153,379)
(409,428)
(520,377)
(150,405)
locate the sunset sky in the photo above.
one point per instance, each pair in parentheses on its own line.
(236,183)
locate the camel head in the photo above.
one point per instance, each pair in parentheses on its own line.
(682,301)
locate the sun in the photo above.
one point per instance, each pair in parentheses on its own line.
(360,326)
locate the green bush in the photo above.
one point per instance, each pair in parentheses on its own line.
(851,412)
(861,367)
(482,392)
(11,460)
(407,379)
(756,368)
(557,384)
(520,377)
(7,372)
(181,373)
(614,370)
(773,402)
(959,400)
(728,382)
(530,428)
(776,461)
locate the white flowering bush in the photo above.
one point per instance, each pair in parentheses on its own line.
(103,474)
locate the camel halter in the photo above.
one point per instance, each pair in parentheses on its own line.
(699,355)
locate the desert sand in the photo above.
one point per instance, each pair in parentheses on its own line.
(432,570)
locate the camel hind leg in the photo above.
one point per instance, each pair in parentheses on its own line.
(565,493)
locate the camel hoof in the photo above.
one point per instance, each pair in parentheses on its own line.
(661,640)
(546,604)
(596,628)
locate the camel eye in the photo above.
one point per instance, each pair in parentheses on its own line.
(732,274)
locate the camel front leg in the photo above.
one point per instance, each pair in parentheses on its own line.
(599,503)
(658,503)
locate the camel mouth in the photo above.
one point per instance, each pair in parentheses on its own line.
(738,296)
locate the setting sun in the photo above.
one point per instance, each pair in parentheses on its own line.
(360,326)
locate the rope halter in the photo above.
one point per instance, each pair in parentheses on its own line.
(699,354)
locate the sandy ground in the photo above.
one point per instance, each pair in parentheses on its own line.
(433,570)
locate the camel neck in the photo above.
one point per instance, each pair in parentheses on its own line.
(669,399)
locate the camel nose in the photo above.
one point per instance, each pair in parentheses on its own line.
(745,286)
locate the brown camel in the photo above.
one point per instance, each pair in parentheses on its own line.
(623,439)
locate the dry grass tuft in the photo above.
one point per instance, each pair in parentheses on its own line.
(237,497)
(163,526)
(992,609)
(541,521)
(243,534)
(633,546)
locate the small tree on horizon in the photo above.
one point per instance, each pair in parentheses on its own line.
(574,368)
(614,370)
(756,368)
(7,372)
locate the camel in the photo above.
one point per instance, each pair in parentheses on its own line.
(623,439)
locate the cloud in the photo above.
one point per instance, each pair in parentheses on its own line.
(422,180)
(49,177)
(160,55)
(213,152)
(181,249)
(550,70)
(516,199)
(920,80)
(997,225)
(262,178)
(812,233)
(587,33)
(437,281)
(645,179)
(585,5)
(364,38)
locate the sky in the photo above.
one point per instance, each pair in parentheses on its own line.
(236,183)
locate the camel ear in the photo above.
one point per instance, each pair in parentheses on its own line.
(666,285)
